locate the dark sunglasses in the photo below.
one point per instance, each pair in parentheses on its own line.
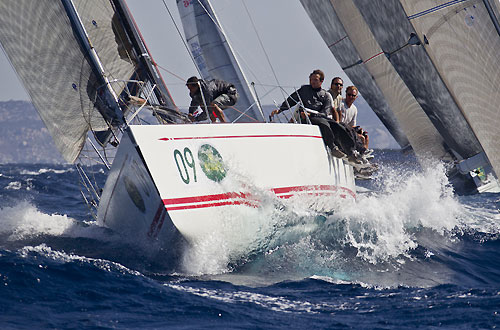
(351,95)
(338,84)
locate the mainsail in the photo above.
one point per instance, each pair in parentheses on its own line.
(79,61)
(106,34)
(38,38)
(214,57)
(463,43)
(352,43)
(396,36)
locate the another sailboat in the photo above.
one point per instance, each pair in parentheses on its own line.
(397,50)
(214,57)
(85,66)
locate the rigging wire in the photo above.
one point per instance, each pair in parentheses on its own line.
(142,106)
(170,72)
(262,46)
(336,42)
(436,8)
(182,38)
(219,27)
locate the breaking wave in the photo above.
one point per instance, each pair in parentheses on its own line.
(393,235)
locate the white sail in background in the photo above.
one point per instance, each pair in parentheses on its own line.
(392,29)
(39,41)
(345,20)
(214,57)
(464,46)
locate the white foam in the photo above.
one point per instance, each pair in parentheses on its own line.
(274,303)
(24,221)
(288,237)
(381,225)
(46,170)
(14,185)
(63,257)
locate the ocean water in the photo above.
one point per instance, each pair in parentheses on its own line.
(407,254)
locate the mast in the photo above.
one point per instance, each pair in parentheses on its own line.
(146,61)
(110,98)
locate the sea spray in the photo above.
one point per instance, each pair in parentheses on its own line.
(287,239)
(233,239)
(58,280)
(24,220)
(382,225)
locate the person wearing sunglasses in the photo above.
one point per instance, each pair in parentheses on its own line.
(348,110)
(336,92)
(217,96)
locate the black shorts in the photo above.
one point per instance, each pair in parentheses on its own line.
(224,101)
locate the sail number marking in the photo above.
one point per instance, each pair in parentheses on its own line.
(185,158)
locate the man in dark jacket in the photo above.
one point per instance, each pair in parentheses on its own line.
(315,98)
(215,94)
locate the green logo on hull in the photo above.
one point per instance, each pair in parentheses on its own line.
(211,163)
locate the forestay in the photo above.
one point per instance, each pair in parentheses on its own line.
(214,56)
(39,41)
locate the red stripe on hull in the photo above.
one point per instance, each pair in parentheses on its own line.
(233,198)
(199,206)
(155,227)
(237,137)
(206,198)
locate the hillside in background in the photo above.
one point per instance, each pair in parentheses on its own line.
(24,138)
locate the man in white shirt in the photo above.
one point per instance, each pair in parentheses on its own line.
(348,109)
(350,114)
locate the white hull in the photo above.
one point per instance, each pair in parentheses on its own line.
(169,179)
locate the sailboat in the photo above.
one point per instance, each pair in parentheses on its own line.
(420,57)
(85,65)
(215,59)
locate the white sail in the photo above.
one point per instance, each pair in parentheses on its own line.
(110,41)
(214,57)
(391,28)
(35,35)
(350,39)
(464,46)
